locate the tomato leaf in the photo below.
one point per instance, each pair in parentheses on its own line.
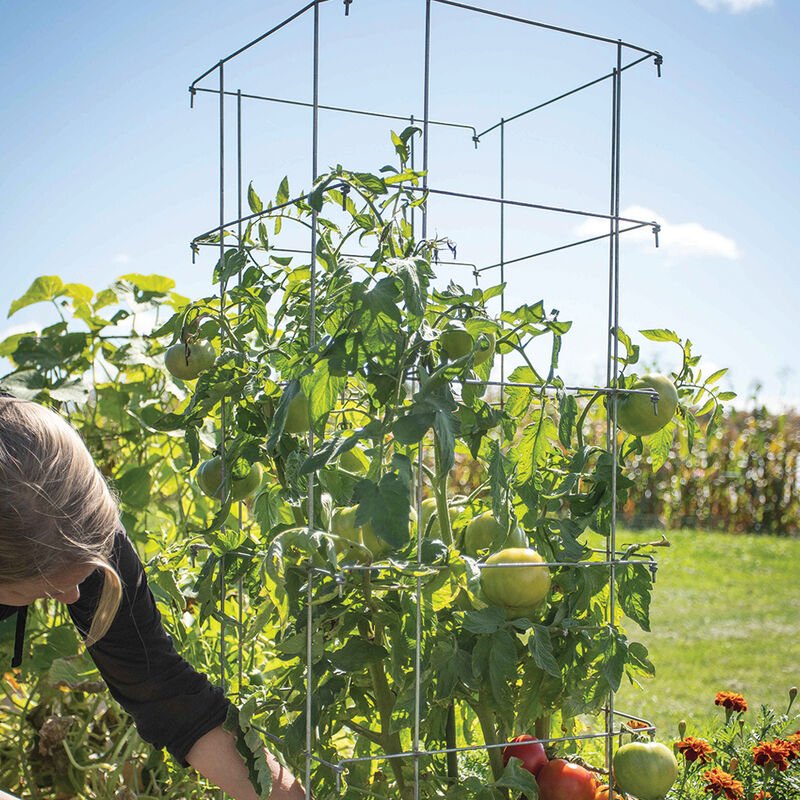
(386,506)
(638,658)
(660,335)
(516,777)
(614,660)
(660,445)
(568,413)
(253,200)
(634,587)
(503,669)
(541,648)
(487,620)
(357,654)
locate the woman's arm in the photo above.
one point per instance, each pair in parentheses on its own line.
(215,756)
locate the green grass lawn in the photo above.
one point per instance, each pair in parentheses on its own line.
(725,616)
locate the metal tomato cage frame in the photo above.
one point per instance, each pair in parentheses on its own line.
(618,225)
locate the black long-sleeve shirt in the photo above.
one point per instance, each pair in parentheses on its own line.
(171,704)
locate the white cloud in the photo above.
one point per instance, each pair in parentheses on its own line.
(734,6)
(121,258)
(676,239)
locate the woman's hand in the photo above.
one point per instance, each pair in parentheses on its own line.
(216,758)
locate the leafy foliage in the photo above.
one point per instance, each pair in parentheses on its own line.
(363,346)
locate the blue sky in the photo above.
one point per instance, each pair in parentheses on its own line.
(106,170)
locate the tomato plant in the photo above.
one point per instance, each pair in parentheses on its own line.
(349,556)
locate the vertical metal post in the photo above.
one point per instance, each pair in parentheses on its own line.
(224,477)
(312,340)
(223,408)
(612,372)
(502,249)
(426,113)
(418,504)
(239,180)
(418,643)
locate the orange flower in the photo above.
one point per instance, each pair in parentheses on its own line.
(793,742)
(731,701)
(762,796)
(720,784)
(695,749)
(777,752)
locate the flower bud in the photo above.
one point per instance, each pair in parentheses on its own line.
(734,765)
(682,728)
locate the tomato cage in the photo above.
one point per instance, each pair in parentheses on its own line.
(428,27)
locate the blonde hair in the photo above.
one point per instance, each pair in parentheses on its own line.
(56,510)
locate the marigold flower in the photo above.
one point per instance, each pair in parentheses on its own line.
(777,752)
(793,742)
(694,749)
(731,701)
(721,784)
(762,796)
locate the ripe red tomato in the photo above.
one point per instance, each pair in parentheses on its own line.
(561,780)
(532,754)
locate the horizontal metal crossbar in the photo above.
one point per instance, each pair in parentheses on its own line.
(343,110)
(556,28)
(563,96)
(342,765)
(445,193)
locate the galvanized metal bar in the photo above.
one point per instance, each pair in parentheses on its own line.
(222,292)
(426,126)
(261,38)
(561,96)
(312,339)
(344,110)
(502,263)
(562,247)
(521,204)
(443,192)
(240,580)
(555,28)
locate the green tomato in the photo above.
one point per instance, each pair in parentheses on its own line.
(481,532)
(486,343)
(376,545)
(517,538)
(187,361)
(428,511)
(517,589)
(635,411)
(645,769)
(350,462)
(209,479)
(297,417)
(343,524)
(456,342)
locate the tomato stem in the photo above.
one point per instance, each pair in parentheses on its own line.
(582,417)
(440,491)
(483,710)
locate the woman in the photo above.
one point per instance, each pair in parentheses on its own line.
(60,537)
